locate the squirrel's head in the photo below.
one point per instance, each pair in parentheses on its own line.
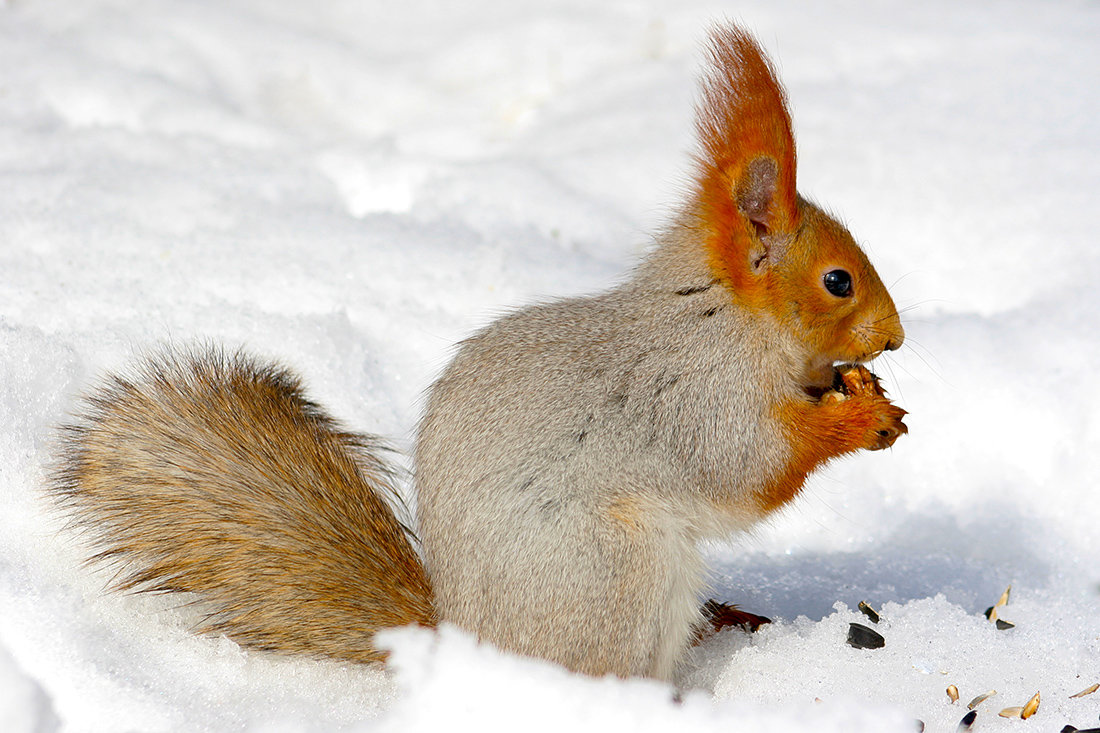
(778,253)
(817,282)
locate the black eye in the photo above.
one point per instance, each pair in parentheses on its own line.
(839,283)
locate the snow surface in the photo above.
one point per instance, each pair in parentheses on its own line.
(352,186)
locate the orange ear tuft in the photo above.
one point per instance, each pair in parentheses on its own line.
(746,153)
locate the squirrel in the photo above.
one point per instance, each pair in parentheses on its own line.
(570,458)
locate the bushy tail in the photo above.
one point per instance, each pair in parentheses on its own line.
(213,474)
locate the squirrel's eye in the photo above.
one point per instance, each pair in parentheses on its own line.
(839,283)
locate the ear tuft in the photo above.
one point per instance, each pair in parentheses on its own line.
(746,200)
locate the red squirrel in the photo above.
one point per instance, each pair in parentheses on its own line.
(570,458)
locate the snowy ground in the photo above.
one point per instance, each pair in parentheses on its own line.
(351,187)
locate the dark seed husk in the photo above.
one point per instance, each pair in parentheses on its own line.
(1002,625)
(1068,729)
(861,637)
(967,721)
(989,612)
(869,612)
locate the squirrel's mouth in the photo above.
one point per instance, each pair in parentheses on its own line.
(826,377)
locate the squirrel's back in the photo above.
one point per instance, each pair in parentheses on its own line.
(213,474)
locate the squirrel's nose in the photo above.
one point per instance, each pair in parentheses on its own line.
(894,333)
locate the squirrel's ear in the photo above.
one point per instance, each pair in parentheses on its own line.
(746,154)
(755,192)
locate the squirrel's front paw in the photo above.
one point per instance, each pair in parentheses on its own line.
(858,386)
(887,426)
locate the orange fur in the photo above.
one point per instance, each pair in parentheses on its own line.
(819,431)
(772,249)
(214,474)
(741,116)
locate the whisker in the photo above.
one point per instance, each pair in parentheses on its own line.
(937,368)
(893,378)
(926,301)
(911,272)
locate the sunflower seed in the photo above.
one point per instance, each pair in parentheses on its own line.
(869,612)
(980,699)
(1087,691)
(991,612)
(1030,707)
(861,637)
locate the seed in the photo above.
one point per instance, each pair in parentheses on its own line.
(980,699)
(861,637)
(1087,691)
(967,721)
(1068,729)
(1013,712)
(1030,707)
(991,612)
(869,612)
(953,693)
(1002,625)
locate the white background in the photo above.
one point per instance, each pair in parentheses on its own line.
(351,187)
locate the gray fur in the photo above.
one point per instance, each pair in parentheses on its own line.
(553,419)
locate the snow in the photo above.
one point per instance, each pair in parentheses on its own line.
(352,187)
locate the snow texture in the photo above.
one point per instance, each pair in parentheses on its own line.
(351,187)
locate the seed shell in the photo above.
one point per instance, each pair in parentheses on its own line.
(1030,707)
(1012,712)
(991,612)
(967,721)
(861,637)
(980,699)
(1087,691)
(1003,625)
(869,612)
(953,693)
